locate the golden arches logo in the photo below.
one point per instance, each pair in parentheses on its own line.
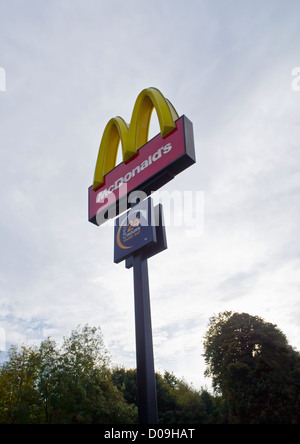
(135,135)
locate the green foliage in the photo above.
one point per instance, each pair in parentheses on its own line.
(19,398)
(255,374)
(178,402)
(66,385)
(254,369)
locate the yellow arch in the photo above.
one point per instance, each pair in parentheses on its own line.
(136,135)
(115,130)
(147,100)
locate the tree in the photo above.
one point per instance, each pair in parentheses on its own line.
(49,378)
(254,368)
(75,381)
(64,385)
(19,398)
(178,402)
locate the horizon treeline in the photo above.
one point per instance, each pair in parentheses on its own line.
(255,375)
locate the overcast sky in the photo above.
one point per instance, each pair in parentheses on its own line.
(70,66)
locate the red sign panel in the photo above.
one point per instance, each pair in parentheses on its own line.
(156,163)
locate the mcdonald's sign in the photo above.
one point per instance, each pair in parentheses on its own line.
(147,165)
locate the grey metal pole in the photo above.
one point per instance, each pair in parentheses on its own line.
(147,398)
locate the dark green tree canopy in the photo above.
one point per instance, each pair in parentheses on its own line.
(255,373)
(254,368)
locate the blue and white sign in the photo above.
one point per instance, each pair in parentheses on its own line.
(134,230)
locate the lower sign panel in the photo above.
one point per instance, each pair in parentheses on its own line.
(161,238)
(134,230)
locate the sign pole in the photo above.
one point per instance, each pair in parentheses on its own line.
(147,400)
